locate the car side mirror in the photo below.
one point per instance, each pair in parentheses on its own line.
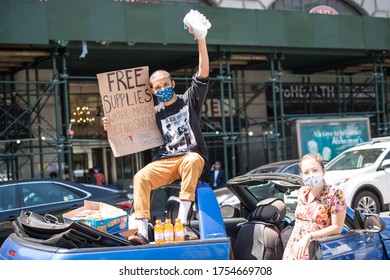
(385,164)
(374,223)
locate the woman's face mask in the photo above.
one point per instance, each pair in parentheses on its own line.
(165,95)
(313,180)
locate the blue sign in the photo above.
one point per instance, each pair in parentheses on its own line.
(330,137)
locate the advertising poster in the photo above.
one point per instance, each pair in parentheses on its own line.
(128,103)
(330,137)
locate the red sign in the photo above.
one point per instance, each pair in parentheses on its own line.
(325,10)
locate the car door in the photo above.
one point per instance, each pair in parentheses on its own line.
(9,209)
(364,243)
(386,182)
(355,245)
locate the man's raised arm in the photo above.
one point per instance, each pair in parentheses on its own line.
(204,67)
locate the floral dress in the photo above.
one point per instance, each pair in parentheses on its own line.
(313,216)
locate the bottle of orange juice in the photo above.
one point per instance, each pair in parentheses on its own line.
(159,232)
(179,230)
(168,231)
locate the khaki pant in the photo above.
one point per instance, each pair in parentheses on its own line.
(187,168)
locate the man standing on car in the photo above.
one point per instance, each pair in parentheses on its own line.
(186,162)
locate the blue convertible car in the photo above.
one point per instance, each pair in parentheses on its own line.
(254,229)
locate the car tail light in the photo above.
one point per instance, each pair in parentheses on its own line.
(125,203)
(11,253)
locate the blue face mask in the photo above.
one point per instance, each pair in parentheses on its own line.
(165,95)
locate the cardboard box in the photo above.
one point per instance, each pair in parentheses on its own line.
(99,215)
(126,234)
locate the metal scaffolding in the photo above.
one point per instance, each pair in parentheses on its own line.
(29,134)
(35,115)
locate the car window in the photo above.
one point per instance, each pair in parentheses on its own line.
(264,170)
(7,198)
(266,190)
(35,194)
(355,159)
(274,189)
(387,156)
(292,169)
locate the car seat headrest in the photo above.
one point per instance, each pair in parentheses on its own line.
(270,210)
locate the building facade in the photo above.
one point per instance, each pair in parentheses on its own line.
(273,64)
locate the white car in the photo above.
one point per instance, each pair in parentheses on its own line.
(363,174)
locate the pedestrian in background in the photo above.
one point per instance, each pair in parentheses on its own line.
(217,175)
(53,175)
(99,176)
(91,176)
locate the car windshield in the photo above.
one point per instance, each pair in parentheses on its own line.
(276,189)
(355,159)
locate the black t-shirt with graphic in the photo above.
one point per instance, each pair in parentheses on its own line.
(179,123)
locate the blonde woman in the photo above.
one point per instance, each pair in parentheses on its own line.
(320,211)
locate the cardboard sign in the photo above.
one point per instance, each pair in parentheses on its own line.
(128,102)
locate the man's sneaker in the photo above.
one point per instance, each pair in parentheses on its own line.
(138,239)
(189,234)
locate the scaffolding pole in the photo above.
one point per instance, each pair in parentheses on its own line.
(224,136)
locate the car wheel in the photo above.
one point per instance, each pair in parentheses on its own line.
(367,203)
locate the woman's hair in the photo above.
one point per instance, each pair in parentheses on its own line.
(314,156)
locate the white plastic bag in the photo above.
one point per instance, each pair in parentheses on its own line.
(198,22)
